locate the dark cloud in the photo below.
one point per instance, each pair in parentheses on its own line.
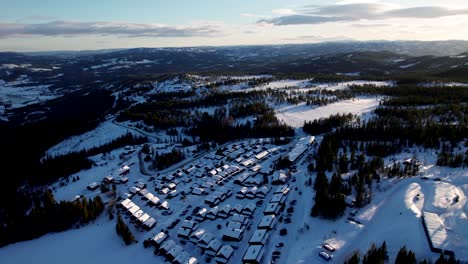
(302,19)
(73,28)
(355,12)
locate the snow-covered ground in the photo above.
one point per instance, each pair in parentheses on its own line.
(21,92)
(104,133)
(96,243)
(295,115)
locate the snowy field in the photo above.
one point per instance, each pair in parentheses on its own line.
(295,115)
(95,243)
(21,93)
(104,133)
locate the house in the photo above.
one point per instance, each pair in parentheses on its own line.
(137,215)
(247,163)
(200,215)
(164,205)
(172,194)
(122,180)
(159,239)
(254,254)
(267,222)
(196,236)
(225,211)
(262,192)
(328,247)
(272,208)
(251,193)
(124,170)
(256,168)
(164,191)
(249,209)
(278,198)
(242,178)
(191,260)
(181,258)
(237,209)
(213,213)
(205,240)
(174,252)
(259,237)
(143,218)
(282,189)
(172,186)
(198,191)
(189,224)
(233,234)
(242,192)
(133,210)
(184,232)
(149,224)
(140,185)
(108,179)
(213,247)
(134,190)
(124,203)
(224,254)
(262,155)
(154,201)
(253,181)
(280,178)
(240,219)
(166,246)
(212,200)
(93,186)
(325,255)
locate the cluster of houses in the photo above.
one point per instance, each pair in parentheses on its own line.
(137,214)
(252,192)
(300,148)
(256,250)
(171,250)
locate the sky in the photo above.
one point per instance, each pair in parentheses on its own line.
(46,25)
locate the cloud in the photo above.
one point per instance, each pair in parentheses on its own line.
(313,14)
(284,11)
(301,20)
(125,29)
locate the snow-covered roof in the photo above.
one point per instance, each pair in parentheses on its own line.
(168,245)
(191,260)
(435,229)
(259,236)
(214,245)
(188,224)
(254,253)
(206,238)
(267,221)
(261,155)
(175,250)
(225,252)
(159,238)
(144,217)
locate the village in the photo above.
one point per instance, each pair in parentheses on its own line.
(223,207)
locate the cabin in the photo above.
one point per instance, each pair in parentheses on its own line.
(242,193)
(272,208)
(278,198)
(328,247)
(149,224)
(268,222)
(212,200)
(181,258)
(172,194)
(200,215)
(259,237)
(224,254)
(205,240)
(164,205)
(254,254)
(164,191)
(249,209)
(124,170)
(93,186)
(196,236)
(280,178)
(198,191)
(240,219)
(186,229)
(159,239)
(251,193)
(325,255)
(121,180)
(133,210)
(172,186)
(242,178)
(262,192)
(213,213)
(282,189)
(262,155)
(124,203)
(233,234)
(143,218)
(174,252)
(108,179)
(256,168)
(154,201)
(225,211)
(166,246)
(191,260)
(237,209)
(213,247)
(134,190)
